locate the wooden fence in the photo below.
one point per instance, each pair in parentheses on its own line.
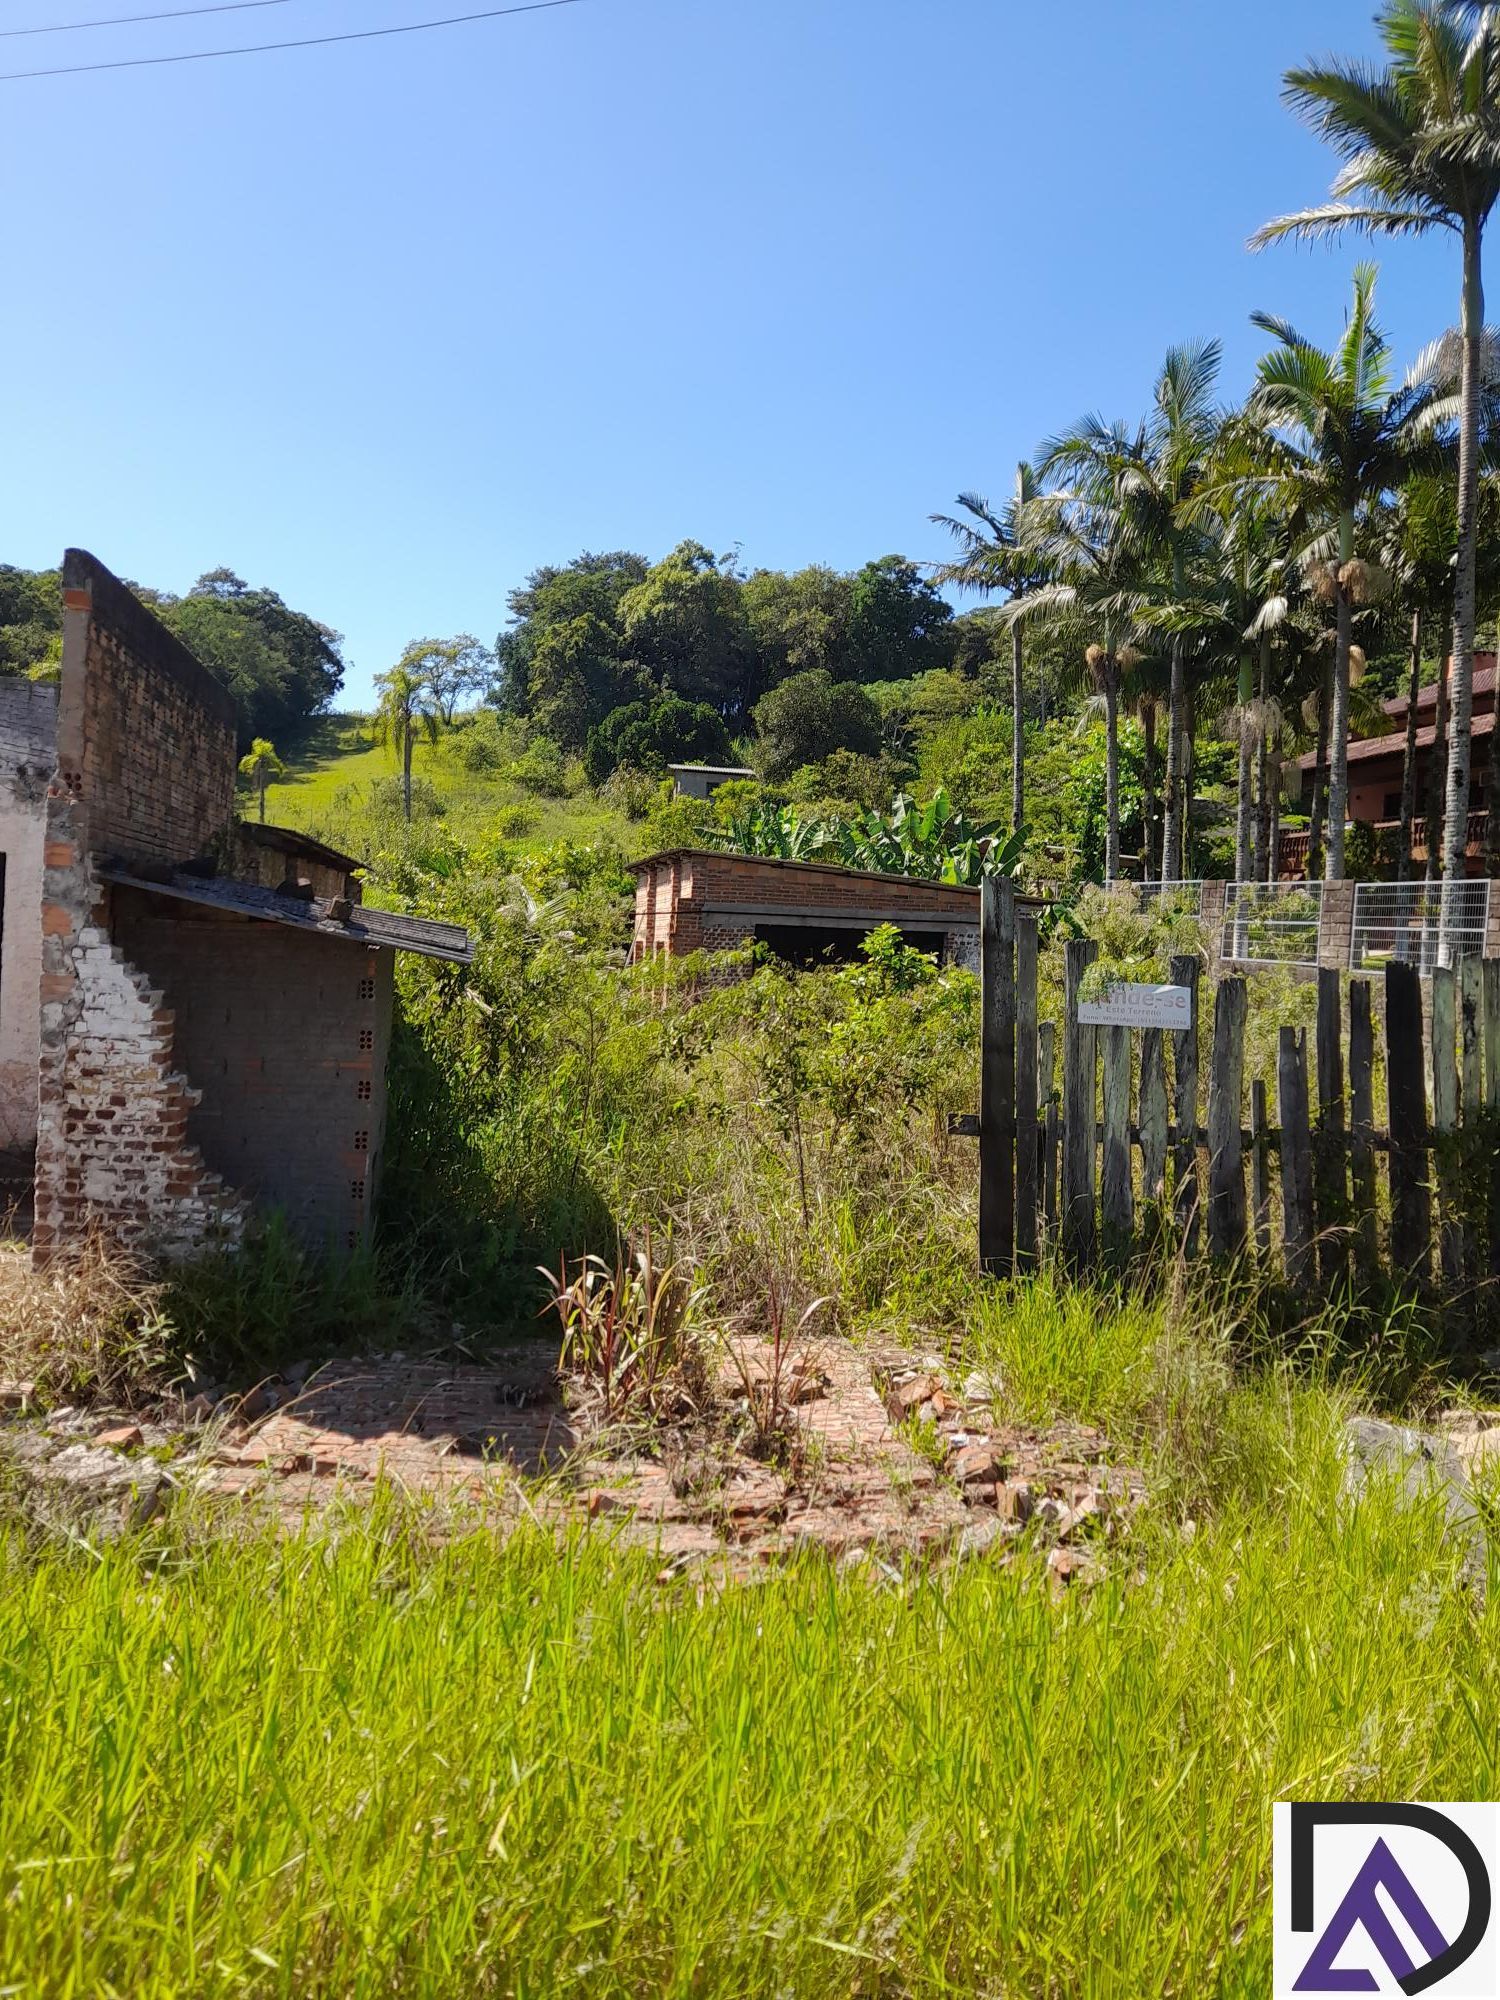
(1074,1164)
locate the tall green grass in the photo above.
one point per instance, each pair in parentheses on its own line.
(404,1757)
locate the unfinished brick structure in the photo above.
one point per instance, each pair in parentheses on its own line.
(702,899)
(215,1002)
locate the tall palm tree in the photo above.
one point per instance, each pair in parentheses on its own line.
(407,709)
(1092,545)
(1337,438)
(1154,475)
(994,556)
(1420,145)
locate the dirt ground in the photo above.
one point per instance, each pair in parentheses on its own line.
(881,1455)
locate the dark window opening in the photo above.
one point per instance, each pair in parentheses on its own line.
(816,944)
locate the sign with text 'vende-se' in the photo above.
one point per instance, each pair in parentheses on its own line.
(1139,1007)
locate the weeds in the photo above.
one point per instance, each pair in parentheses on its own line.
(632,1333)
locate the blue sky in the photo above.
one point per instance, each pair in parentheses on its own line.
(386,325)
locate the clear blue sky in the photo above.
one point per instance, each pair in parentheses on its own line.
(386,325)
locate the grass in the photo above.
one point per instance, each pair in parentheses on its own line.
(407,1752)
(326,784)
(391,1760)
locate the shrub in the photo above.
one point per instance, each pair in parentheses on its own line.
(810,717)
(540,769)
(652,734)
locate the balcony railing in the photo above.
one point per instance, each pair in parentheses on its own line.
(1292,859)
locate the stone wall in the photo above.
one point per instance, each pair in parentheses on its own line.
(28,754)
(285,1037)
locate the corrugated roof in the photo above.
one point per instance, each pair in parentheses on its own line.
(364,926)
(287,840)
(1484,683)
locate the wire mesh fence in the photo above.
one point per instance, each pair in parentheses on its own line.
(1407,921)
(1272,923)
(1174,898)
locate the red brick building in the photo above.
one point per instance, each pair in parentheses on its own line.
(1376,765)
(209,1005)
(704,899)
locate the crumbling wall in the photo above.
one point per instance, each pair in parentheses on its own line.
(28,753)
(113,1150)
(145,771)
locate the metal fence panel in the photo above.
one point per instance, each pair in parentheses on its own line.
(1184,898)
(1272,923)
(1404,921)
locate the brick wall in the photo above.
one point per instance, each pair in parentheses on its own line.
(28,755)
(705,901)
(145,734)
(285,1037)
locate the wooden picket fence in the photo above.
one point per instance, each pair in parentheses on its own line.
(1077,1168)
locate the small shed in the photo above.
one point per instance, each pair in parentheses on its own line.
(701,781)
(704,899)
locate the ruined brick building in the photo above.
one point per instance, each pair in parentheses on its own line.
(194,1014)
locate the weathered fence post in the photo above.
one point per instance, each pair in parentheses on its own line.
(1116,1202)
(1260,1169)
(1330,1171)
(1185,970)
(997,1074)
(1445,1119)
(1296,1156)
(1411,1207)
(1492,1097)
(1226,1169)
(1153,1120)
(1047,1090)
(1079,1067)
(1362,1125)
(1028,1138)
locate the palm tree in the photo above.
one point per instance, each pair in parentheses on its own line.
(261,765)
(994,556)
(406,707)
(1091,544)
(1420,145)
(1155,475)
(1336,440)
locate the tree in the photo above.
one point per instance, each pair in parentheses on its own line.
(811,715)
(1337,440)
(262,766)
(1095,544)
(451,668)
(406,709)
(649,735)
(685,622)
(1420,145)
(898,622)
(798,620)
(282,666)
(590,586)
(994,557)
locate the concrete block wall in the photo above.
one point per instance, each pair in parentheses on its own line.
(285,1037)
